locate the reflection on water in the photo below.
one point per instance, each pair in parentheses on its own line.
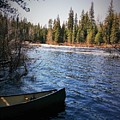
(90,76)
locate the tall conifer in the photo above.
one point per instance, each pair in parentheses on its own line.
(70,25)
(109,22)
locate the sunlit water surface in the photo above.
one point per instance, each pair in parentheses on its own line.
(91,78)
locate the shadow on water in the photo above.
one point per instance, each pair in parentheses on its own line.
(41,115)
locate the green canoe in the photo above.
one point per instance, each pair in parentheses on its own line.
(17,105)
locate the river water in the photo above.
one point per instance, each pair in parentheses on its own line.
(91,78)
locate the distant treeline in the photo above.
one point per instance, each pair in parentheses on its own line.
(85,30)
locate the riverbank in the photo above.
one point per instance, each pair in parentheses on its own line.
(76,45)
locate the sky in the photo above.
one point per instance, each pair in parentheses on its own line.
(43,10)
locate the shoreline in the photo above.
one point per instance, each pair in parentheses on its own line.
(116,46)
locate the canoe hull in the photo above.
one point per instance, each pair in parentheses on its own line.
(45,104)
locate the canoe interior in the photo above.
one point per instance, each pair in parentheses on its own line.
(18,99)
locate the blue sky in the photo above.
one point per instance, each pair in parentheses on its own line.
(41,11)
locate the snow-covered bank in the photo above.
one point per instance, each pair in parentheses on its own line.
(60,46)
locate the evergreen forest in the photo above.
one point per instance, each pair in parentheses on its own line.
(77,29)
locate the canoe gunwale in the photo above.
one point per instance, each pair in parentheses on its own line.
(28,93)
(54,91)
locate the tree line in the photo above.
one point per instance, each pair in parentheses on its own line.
(86,30)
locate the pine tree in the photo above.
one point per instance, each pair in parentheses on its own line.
(115,31)
(75,28)
(57,31)
(63,33)
(82,37)
(84,26)
(54,29)
(49,34)
(99,38)
(44,33)
(91,16)
(109,23)
(92,29)
(90,37)
(70,25)
(78,36)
